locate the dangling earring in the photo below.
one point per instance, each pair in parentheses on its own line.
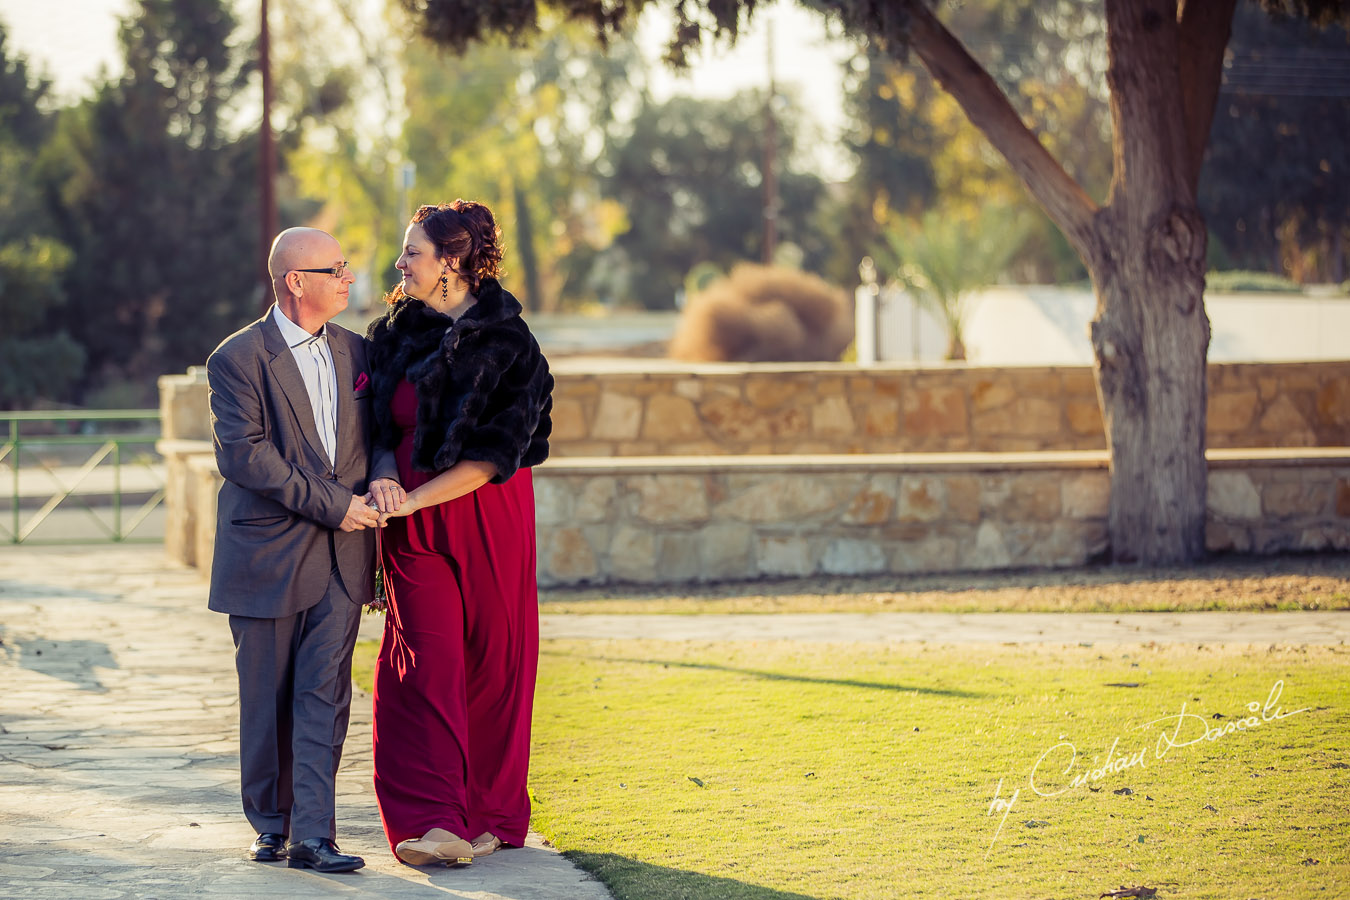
(445,288)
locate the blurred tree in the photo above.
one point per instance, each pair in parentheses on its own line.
(1283,112)
(338,111)
(520,130)
(913,143)
(156,197)
(1144,246)
(36,362)
(689,173)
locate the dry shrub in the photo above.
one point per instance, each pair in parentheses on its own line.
(764,314)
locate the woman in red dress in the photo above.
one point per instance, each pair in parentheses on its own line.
(462,399)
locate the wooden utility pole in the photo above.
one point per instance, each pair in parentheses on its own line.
(268,159)
(770,152)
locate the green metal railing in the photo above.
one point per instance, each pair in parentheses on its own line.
(60,435)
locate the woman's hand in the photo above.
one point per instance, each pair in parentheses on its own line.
(386,495)
(409,506)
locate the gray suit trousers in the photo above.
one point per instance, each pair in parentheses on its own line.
(295,694)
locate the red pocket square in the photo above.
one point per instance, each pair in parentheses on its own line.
(362,382)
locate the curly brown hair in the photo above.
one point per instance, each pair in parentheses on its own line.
(464,230)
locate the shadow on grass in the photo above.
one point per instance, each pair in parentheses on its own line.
(773,676)
(629,879)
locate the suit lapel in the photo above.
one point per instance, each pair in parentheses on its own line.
(287,376)
(346,395)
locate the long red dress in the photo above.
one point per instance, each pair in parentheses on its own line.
(454,682)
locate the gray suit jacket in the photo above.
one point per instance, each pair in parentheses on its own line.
(282,502)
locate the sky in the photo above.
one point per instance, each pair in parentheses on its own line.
(73,39)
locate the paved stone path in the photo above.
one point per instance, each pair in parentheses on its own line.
(118,729)
(119,762)
(964,628)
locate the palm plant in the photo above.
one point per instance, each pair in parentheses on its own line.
(945,256)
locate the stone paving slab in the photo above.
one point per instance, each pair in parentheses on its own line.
(964,628)
(119,760)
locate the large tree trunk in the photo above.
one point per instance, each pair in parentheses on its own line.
(1150,337)
(1145,249)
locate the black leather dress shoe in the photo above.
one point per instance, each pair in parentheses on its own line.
(268,848)
(321,855)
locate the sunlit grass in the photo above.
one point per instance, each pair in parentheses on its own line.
(780,770)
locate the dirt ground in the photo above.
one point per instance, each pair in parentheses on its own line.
(1320,582)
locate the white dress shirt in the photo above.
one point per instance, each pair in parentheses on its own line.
(315,361)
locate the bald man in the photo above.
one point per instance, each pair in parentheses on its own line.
(294,546)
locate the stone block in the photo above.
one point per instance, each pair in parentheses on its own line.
(638,448)
(930,553)
(963,498)
(832,416)
(934,411)
(553,501)
(567,557)
(784,555)
(671,418)
(1343,498)
(689,388)
(617,418)
(1333,404)
(670,498)
(1282,417)
(1220,537)
(922,498)
(678,558)
(595,500)
(731,419)
(773,391)
(987,395)
(785,499)
(1035,498)
(204,481)
(788,423)
(1032,416)
(989,551)
(881,417)
(1086,496)
(1295,499)
(1232,495)
(725,551)
(1231,412)
(632,555)
(184,406)
(847,556)
(1085,418)
(569,421)
(872,504)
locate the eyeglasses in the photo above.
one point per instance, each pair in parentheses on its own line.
(338,271)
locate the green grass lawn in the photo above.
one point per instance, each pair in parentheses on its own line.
(791,770)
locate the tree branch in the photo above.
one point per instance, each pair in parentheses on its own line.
(989,110)
(1206,26)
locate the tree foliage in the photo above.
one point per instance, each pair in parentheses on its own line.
(36,362)
(690,175)
(1282,113)
(157,198)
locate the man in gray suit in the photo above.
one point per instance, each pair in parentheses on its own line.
(294,550)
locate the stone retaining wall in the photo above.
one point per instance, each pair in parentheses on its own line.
(668,520)
(656,407)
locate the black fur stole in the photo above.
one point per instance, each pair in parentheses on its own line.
(484,391)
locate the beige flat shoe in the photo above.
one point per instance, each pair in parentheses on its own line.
(486,844)
(436,847)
